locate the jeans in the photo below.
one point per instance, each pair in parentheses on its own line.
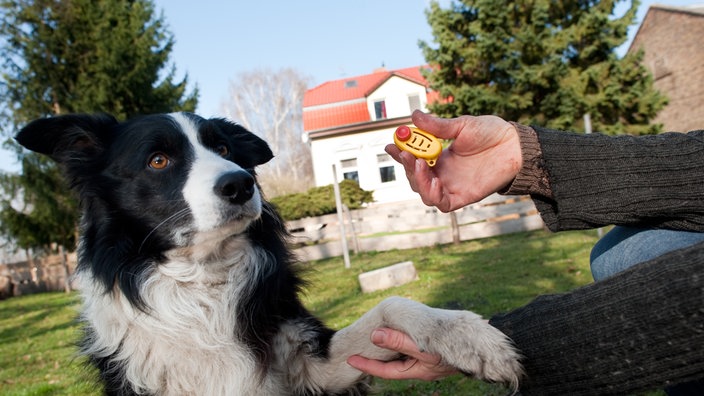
(623,247)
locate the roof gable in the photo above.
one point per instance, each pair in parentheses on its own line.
(359,87)
(691,11)
(694,9)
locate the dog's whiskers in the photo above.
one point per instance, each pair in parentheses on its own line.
(174,216)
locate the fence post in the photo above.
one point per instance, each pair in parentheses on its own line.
(64,265)
(455,228)
(355,242)
(340,218)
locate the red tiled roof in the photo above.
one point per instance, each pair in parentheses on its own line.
(342,102)
(329,117)
(357,87)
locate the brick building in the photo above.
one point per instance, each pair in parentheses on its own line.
(674,52)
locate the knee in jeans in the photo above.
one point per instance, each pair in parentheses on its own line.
(598,262)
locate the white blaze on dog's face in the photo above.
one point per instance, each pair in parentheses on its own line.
(218,192)
(223,197)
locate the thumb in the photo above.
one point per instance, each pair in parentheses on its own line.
(394,340)
(443,128)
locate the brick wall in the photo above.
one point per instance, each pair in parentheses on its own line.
(674,52)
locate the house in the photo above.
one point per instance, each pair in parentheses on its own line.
(349,121)
(674,53)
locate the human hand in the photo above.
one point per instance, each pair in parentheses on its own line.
(418,365)
(484,157)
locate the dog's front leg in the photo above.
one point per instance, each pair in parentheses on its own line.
(463,340)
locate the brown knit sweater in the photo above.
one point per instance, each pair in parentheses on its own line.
(640,329)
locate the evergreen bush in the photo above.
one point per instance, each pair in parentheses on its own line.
(320,201)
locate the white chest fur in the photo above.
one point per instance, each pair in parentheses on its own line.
(184,343)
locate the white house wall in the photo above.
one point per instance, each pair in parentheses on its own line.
(395,92)
(364,147)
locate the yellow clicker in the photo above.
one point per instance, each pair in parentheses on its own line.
(419,143)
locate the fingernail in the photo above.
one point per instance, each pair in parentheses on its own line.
(418,165)
(378,336)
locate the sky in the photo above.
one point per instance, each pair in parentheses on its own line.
(215,40)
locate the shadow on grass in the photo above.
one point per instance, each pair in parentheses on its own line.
(37,347)
(486,276)
(506,272)
(36,315)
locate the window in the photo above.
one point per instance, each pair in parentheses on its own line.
(380,109)
(387,173)
(414,102)
(349,169)
(387,170)
(351,84)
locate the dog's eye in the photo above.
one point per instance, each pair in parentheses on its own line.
(159,161)
(222,150)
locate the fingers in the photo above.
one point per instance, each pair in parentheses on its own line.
(443,128)
(399,342)
(421,179)
(395,370)
(393,151)
(430,188)
(403,157)
(417,171)
(419,365)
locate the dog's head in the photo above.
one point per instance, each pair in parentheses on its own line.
(180,171)
(167,181)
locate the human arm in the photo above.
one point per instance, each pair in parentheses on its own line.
(640,329)
(646,181)
(577,181)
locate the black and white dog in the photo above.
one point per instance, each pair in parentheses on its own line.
(187,280)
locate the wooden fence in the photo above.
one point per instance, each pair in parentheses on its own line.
(412,224)
(46,274)
(381,227)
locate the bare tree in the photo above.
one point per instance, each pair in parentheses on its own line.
(270,104)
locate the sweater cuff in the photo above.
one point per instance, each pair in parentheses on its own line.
(533,177)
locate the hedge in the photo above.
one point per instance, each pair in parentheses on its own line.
(319,201)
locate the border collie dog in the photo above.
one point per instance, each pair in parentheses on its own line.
(187,281)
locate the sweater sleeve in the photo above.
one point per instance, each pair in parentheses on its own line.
(648,181)
(532,178)
(640,329)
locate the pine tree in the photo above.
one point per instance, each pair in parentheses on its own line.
(75,56)
(540,62)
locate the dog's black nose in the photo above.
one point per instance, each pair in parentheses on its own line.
(235,187)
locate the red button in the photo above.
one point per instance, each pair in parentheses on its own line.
(403,133)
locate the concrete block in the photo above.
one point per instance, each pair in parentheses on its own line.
(387,277)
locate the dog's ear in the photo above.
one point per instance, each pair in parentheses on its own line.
(254,149)
(68,137)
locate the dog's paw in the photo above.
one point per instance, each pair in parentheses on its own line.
(466,341)
(461,338)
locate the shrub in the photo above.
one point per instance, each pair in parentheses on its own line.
(319,201)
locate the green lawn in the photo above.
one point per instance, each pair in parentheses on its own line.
(37,347)
(37,333)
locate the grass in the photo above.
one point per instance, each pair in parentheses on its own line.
(37,347)
(485,276)
(37,333)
